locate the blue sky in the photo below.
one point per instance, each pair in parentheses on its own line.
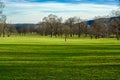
(32,11)
(71,1)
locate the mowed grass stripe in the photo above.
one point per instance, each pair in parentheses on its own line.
(44,58)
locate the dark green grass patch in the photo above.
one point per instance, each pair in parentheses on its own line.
(29,58)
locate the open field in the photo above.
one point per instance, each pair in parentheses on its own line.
(36,58)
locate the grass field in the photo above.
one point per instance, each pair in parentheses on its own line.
(36,58)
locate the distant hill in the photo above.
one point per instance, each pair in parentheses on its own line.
(108,20)
(89,22)
(22,25)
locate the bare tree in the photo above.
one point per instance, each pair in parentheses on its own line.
(53,22)
(4,25)
(114,25)
(66,31)
(71,22)
(11,29)
(97,29)
(81,26)
(42,29)
(2,20)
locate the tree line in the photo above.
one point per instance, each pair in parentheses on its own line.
(52,25)
(99,27)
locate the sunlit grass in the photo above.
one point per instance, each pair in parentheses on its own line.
(45,58)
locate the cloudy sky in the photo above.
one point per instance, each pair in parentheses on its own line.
(32,11)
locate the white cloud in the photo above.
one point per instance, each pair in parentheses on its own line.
(26,12)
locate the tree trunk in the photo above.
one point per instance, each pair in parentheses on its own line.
(91,36)
(79,32)
(0,34)
(3,32)
(117,36)
(65,37)
(70,34)
(51,34)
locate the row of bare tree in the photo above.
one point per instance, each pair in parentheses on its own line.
(100,27)
(54,26)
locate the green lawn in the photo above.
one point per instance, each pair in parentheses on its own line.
(43,58)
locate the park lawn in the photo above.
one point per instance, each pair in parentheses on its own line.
(45,58)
